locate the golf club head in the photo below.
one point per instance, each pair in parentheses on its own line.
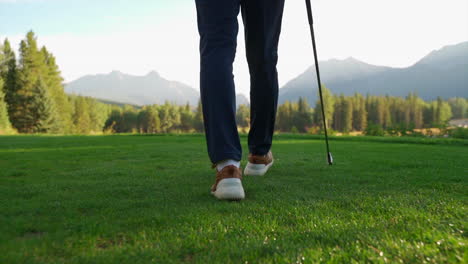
(330,158)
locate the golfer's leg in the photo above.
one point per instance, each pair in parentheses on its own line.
(218,28)
(262,20)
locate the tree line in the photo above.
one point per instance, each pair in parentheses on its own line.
(364,113)
(33,100)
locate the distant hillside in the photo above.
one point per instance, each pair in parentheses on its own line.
(119,88)
(117,103)
(241,99)
(441,73)
(137,90)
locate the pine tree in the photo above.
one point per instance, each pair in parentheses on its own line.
(329,102)
(5,125)
(9,74)
(359,113)
(53,79)
(398,111)
(382,112)
(387,118)
(113,121)
(427,115)
(445,112)
(347,115)
(283,120)
(43,109)
(198,118)
(292,110)
(380,107)
(143,120)
(175,116)
(186,117)
(459,107)
(81,118)
(304,115)
(129,120)
(98,113)
(363,115)
(338,113)
(370,109)
(29,72)
(4,120)
(415,107)
(165,117)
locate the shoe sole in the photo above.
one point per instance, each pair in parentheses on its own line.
(257,169)
(229,189)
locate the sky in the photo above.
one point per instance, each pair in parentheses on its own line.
(136,37)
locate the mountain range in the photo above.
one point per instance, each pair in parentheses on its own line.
(442,73)
(149,89)
(137,90)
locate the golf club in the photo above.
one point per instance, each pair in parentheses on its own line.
(312,33)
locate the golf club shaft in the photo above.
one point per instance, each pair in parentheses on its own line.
(312,33)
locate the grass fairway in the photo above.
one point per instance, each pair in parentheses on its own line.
(141,199)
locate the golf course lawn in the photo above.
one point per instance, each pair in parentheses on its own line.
(141,199)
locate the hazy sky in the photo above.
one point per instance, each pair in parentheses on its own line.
(135,37)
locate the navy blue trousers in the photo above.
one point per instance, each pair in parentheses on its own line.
(218,28)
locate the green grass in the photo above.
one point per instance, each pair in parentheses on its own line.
(142,199)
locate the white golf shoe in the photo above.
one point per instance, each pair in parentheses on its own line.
(258,165)
(228,185)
